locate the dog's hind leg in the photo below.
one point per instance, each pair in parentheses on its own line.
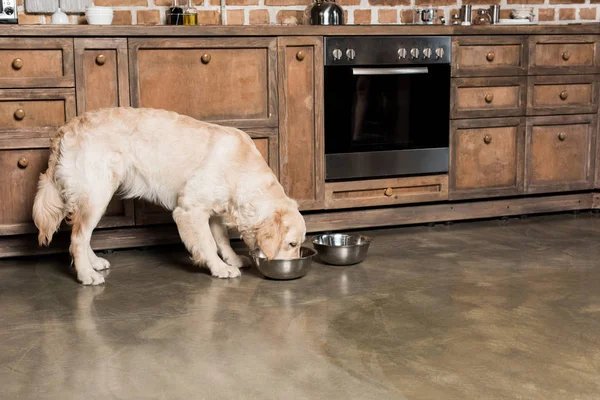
(194,229)
(221,236)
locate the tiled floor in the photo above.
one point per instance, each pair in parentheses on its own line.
(492,310)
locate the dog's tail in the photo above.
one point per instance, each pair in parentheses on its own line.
(48,207)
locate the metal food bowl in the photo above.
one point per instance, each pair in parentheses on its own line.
(341,248)
(284,269)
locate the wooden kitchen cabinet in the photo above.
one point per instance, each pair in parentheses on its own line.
(489,56)
(558,154)
(488,97)
(486,157)
(20,172)
(564,54)
(568,94)
(301,139)
(230,81)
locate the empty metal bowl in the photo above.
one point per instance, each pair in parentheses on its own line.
(341,248)
(284,269)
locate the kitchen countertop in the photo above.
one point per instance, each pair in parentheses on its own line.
(293,30)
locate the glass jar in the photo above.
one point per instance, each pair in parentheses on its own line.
(482,18)
(190,14)
(175,14)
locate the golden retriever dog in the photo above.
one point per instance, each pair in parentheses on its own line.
(211,177)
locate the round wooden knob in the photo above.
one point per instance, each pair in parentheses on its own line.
(490,56)
(23,162)
(19,114)
(17,63)
(300,55)
(487,139)
(388,192)
(566,55)
(562,136)
(489,98)
(563,95)
(101,59)
(205,58)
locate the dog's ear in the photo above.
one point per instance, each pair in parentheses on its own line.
(270,235)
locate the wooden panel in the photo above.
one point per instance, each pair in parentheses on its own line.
(489,56)
(19,186)
(263,146)
(383,192)
(488,97)
(28,117)
(559,153)
(564,54)
(551,95)
(301,146)
(229,81)
(36,62)
(486,157)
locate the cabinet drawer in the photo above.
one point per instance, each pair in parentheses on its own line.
(229,81)
(489,56)
(386,191)
(486,157)
(563,54)
(29,117)
(559,153)
(34,62)
(562,95)
(488,97)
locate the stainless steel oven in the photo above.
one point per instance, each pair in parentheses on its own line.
(387,105)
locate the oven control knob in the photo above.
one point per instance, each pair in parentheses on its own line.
(414,53)
(439,52)
(337,54)
(427,52)
(350,53)
(8,11)
(402,53)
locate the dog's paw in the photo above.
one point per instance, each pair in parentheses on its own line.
(90,277)
(239,261)
(100,264)
(225,271)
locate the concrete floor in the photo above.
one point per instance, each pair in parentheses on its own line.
(485,310)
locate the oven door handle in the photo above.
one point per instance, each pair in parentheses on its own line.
(390,71)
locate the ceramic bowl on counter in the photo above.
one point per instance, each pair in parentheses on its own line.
(99,15)
(341,248)
(284,269)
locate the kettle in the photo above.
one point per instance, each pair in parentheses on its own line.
(324,12)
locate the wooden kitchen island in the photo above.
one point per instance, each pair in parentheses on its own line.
(523,111)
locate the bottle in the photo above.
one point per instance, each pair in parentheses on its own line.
(482,18)
(175,14)
(190,14)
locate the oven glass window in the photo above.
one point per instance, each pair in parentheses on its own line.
(390,111)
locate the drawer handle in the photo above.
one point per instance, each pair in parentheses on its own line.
(205,58)
(566,55)
(563,95)
(23,162)
(101,59)
(562,136)
(17,64)
(490,56)
(489,98)
(300,55)
(487,139)
(388,192)
(19,114)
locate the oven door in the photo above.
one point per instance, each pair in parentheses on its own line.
(386,121)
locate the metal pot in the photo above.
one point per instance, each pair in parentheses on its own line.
(324,12)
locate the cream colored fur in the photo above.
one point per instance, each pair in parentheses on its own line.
(211,177)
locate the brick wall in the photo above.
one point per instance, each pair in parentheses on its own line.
(255,12)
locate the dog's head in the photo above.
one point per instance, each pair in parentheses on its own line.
(281,235)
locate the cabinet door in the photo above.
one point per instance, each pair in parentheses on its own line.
(489,56)
(562,94)
(564,54)
(301,140)
(103,81)
(18,180)
(486,157)
(559,153)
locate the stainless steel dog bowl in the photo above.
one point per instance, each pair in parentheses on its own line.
(342,249)
(284,269)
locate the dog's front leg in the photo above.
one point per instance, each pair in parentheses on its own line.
(219,232)
(194,229)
